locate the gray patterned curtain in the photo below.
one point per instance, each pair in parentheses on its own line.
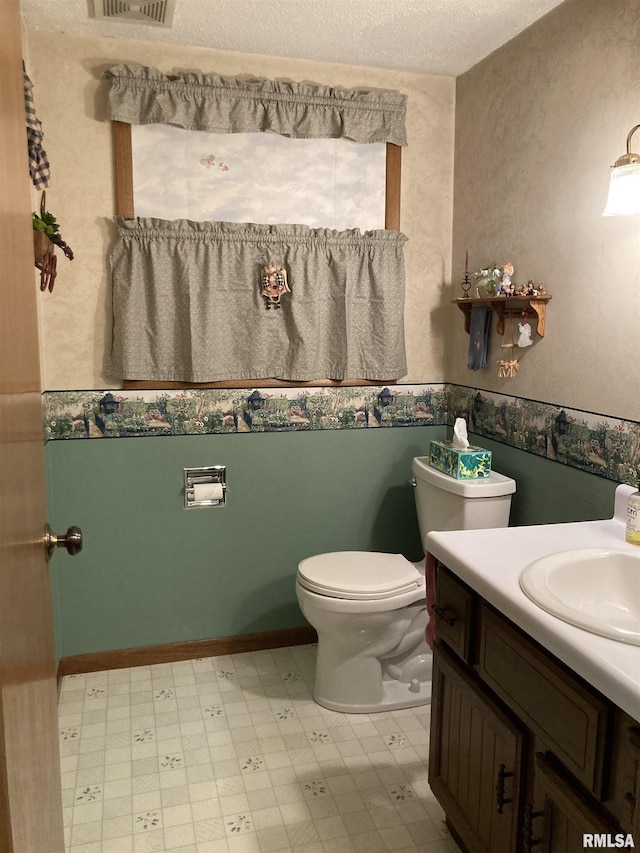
(188,304)
(219,104)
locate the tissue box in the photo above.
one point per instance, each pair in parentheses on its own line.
(471,463)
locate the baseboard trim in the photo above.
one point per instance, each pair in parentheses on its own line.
(169,652)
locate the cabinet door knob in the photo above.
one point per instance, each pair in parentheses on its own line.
(445,615)
(501,800)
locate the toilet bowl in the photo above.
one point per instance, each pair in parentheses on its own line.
(369,608)
(369,612)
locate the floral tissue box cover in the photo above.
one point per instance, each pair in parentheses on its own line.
(470,463)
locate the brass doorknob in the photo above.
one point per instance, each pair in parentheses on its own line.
(72,541)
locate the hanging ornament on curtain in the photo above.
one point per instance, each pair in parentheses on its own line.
(273,283)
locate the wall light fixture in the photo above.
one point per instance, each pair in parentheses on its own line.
(624,189)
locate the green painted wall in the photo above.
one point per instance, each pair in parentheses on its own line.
(151,572)
(549,492)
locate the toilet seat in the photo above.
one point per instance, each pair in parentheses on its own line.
(359,575)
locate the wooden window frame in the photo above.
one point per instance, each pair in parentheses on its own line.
(123,169)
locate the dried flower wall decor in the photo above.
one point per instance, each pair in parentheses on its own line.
(46,236)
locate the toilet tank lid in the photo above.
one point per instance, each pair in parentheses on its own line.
(494,486)
(359,574)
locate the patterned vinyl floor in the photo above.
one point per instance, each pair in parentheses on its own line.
(231,755)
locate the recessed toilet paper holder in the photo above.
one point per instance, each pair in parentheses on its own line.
(205,487)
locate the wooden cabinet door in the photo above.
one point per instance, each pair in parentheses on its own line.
(624,800)
(569,812)
(475,760)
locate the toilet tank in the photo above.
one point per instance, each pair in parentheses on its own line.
(444,503)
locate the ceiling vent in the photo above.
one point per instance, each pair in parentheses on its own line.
(156,12)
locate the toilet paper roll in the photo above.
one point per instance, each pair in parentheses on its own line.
(208,492)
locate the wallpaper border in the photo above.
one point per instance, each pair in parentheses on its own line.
(593,442)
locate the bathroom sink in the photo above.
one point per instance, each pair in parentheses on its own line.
(596,589)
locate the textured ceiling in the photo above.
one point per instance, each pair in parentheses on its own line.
(424,36)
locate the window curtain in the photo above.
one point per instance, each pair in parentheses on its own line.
(188,304)
(187,301)
(221,104)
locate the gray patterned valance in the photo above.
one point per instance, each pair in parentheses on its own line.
(188,305)
(220,104)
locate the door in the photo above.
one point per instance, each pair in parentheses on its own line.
(30,798)
(569,812)
(475,760)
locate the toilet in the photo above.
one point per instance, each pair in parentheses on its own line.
(369,608)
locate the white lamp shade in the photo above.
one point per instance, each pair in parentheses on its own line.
(624,191)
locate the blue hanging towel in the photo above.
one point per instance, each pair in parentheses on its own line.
(478,337)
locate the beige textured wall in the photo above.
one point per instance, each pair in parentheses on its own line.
(70,97)
(538,123)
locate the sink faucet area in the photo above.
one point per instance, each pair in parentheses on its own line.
(593,588)
(573,587)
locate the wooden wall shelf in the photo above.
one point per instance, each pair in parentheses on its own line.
(506,306)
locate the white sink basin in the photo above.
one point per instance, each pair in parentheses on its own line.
(595,589)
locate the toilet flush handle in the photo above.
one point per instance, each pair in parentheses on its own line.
(413,482)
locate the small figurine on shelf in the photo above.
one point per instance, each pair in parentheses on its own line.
(506,288)
(496,280)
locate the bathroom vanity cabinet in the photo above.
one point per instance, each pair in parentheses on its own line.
(524,754)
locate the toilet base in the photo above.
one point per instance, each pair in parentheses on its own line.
(395,696)
(367,685)
(359,683)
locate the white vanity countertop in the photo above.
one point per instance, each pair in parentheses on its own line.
(490,562)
